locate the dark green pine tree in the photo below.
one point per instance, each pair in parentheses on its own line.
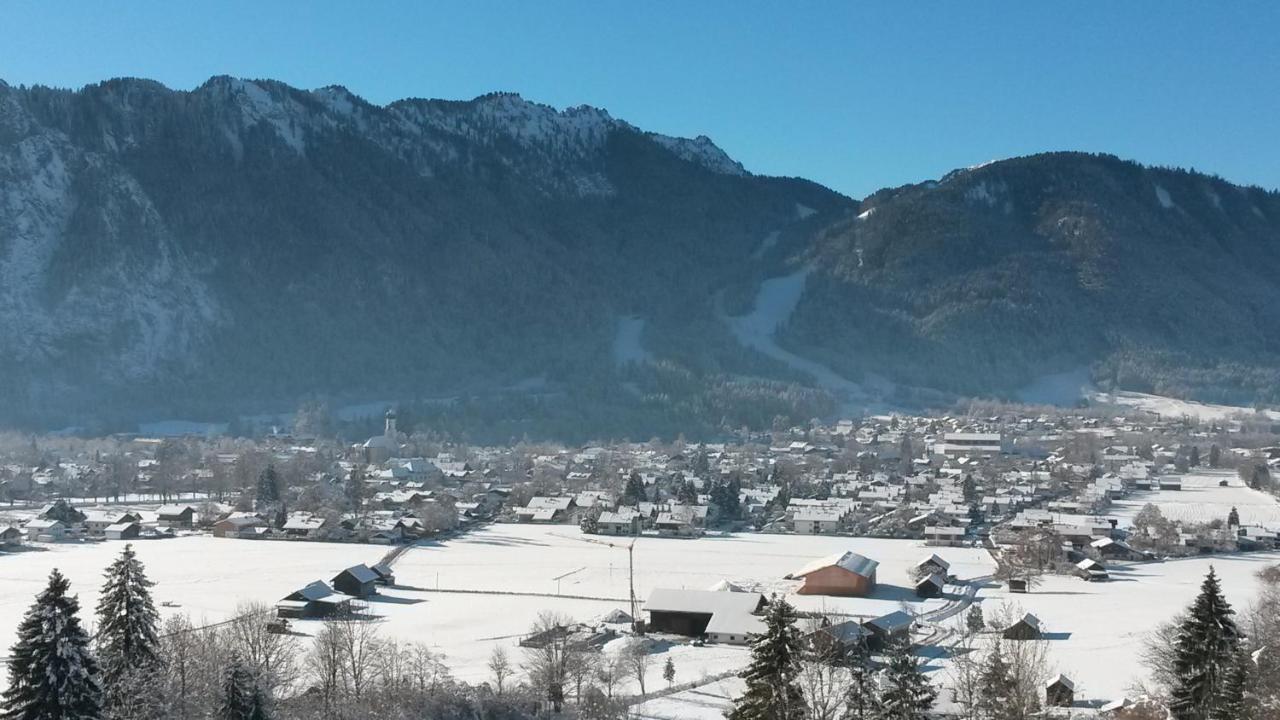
(905,693)
(1233,701)
(52,673)
(242,698)
(268,487)
(772,691)
(633,493)
(128,644)
(1204,652)
(353,489)
(1233,518)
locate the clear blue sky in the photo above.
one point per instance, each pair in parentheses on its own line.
(856,96)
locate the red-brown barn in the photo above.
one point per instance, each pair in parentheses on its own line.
(845,574)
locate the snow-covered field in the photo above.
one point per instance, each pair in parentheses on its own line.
(1173,408)
(1096,629)
(207,577)
(529,559)
(1201,499)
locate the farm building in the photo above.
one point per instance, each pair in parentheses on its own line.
(384,573)
(45,530)
(238,526)
(931,586)
(837,639)
(11,537)
(1060,692)
(623,522)
(895,625)
(127,530)
(933,564)
(356,581)
(675,524)
(96,522)
(1027,628)
(1092,570)
(176,516)
(728,617)
(846,574)
(313,601)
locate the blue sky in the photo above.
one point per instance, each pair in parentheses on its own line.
(856,96)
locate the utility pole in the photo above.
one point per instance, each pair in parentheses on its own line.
(631,581)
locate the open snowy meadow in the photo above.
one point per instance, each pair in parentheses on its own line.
(1202,499)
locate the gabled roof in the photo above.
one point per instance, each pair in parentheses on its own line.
(849,560)
(936,561)
(895,620)
(1062,680)
(362,573)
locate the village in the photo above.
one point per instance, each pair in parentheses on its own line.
(1077,531)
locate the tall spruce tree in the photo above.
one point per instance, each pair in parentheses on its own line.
(242,697)
(268,488)
(128,644)
(1204,653)
(127,619)
(996,689)
(52,673)
(1233,701)
(772,690)
(859,699)
(905,693)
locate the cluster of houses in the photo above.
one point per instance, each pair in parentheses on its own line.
(59,521)
(322,599)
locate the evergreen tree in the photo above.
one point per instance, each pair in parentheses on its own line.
(996,692)
(1204,653)
(1215,455)
(772,691)
(127,622)
(974,622)
(1194,459)
(1233,518)
(353,489)
(905,693)
(268,488)
(242,698)
(52,673)
(669,671)
(633,493)
(1232,702)
(860,699)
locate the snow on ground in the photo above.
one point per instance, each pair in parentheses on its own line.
(1201,499)
(206,576)
(1174,408)
(706,702)
(1096,629)
(1163,197)
(530,558)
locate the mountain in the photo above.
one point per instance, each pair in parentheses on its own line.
(999,277)
(500,267)
(237,247)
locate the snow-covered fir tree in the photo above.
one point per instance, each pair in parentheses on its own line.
(772,690)
(859,701)
(52,672)
(1233,702)
(997,689)
(242,697)
(905,693)
(1204,653)
(128,645)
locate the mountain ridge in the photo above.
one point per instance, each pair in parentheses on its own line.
(235,247)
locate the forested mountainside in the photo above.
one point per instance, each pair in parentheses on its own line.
(1147,279)
(233,248)
(500,267)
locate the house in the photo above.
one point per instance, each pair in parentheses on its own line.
(1171,482)
(726,617)
(10,537)
(675,524)
(313,601)
(357,581)
(176,516)
(239,526)
(97,521)
(886,628)
(302,524)
(1027,628)
(818,520)
(546,510)
(127,530)
(622,522)
(45,530)
(1060,692)
(970,444)
(931,586)
(933,564)
(944,535)
(1116,549)
(845,574)
(835,640)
